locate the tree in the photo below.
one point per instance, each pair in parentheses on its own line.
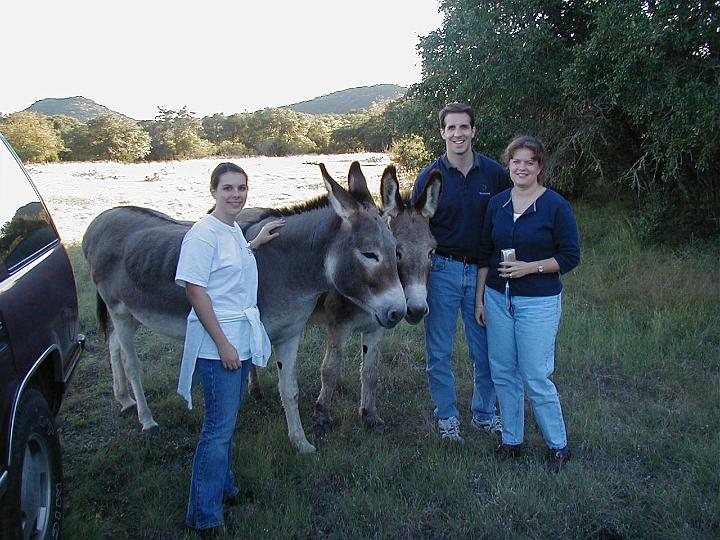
(625,94)
(410,153)
(33,136)
(118,138)
(177,135)
(65,126)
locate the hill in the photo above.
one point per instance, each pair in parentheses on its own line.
(352,99)
(83,109)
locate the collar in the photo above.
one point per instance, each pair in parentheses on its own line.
(530,209)
(477,161)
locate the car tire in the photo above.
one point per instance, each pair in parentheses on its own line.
(32,506)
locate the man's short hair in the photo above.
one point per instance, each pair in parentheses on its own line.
(456,108)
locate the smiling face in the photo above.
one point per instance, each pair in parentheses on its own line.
(230,196)
(524,168)
(457,133)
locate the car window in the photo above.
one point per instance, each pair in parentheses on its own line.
(25,226)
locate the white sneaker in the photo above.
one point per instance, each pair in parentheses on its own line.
(491,427)
(450,429)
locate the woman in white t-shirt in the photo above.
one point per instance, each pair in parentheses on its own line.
(224,336)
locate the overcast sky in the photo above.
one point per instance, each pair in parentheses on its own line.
(213,56)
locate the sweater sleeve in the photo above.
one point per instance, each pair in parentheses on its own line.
(566,238)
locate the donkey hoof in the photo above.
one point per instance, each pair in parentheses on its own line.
(305,447)
(127,409)
(373,422)
(322,425)
(151,431)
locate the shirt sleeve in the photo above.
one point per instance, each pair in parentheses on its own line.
(418,187)
(486,243)
(566,238)
(195,261)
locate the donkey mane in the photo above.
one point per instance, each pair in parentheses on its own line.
(316,203)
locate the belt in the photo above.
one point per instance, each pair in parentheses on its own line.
(465,259)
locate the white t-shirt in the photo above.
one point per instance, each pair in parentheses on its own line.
(216,256)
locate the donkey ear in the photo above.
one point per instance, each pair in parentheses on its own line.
(357,185)
(340,200)
(390,191)
(428,201)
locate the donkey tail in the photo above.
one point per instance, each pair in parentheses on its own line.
(102,315)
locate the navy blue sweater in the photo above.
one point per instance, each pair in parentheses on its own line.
(457,223)
(546,229)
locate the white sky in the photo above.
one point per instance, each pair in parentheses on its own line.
(211,55)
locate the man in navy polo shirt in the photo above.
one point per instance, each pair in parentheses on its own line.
(469,180)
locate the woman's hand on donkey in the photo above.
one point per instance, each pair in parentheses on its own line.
(267,233)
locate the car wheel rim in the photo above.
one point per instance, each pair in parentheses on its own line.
(36,492)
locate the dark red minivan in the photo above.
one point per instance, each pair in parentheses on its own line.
(40,345)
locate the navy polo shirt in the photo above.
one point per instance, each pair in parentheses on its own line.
(458,221)
(546,229)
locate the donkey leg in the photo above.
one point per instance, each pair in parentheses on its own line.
(286,358)
(329,373)
(120,382)
(125,329)
(369,373)
(254,383)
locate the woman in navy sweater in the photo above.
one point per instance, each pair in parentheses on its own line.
(519,296)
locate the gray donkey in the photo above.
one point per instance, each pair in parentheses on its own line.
(334,242)
(410,225)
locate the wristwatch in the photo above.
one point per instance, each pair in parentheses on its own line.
(541,268)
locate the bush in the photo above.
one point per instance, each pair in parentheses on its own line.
(232,149)
(410,153)
(33,136)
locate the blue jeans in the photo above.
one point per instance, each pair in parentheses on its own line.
(212,477)
(451,289)
(521,341)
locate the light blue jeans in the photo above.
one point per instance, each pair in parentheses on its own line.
(212,478)
(521,342)
(451,289)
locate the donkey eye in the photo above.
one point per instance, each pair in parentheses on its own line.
(430,253)
(370,255)
(398,254)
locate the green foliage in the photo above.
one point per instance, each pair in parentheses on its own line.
(177,135)
(231,149)
(109,137)
(624,93)
(410,153)
(365,130)
(33,136)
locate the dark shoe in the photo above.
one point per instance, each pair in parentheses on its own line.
(213,533)
(508,451)
(244,496)
(235,500)
(558,457)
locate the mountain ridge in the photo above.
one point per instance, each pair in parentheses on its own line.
(78,107)
(349,100)
(339,102)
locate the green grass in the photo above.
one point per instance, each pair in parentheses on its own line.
(639,377)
